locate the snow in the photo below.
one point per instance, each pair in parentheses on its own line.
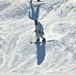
(19,57)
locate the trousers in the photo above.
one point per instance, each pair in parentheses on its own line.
(39,34)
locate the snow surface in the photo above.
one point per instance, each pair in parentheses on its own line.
(19,57)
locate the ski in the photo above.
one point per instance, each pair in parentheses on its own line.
(37,2)
(36,42)
(41,41)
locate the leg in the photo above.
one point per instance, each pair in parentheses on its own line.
(41,35)
(37,36)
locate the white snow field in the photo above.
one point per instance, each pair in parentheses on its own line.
(56,57)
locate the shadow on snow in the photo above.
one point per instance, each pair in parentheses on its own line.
(40,52)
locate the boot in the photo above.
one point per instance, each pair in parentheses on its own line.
(37,40)
(44,40)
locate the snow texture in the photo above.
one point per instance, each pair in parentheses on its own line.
(19,57)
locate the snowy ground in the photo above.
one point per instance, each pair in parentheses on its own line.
(19,57)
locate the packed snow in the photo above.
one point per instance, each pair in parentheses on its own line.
(55,57)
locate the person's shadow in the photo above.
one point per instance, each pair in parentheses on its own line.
(34,14)
(40,52)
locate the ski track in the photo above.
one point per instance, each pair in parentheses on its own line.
(19,57)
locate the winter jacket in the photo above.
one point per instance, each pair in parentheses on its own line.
(39,28)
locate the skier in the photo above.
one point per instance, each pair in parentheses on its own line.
(39,31)
(39,28)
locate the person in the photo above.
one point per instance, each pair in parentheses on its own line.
(34,16)
(39,31)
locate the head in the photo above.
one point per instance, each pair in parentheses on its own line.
(36,22)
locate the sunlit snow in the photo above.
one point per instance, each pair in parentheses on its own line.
(55,57)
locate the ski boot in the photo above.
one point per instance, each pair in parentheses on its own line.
(44,40)
(37,40)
